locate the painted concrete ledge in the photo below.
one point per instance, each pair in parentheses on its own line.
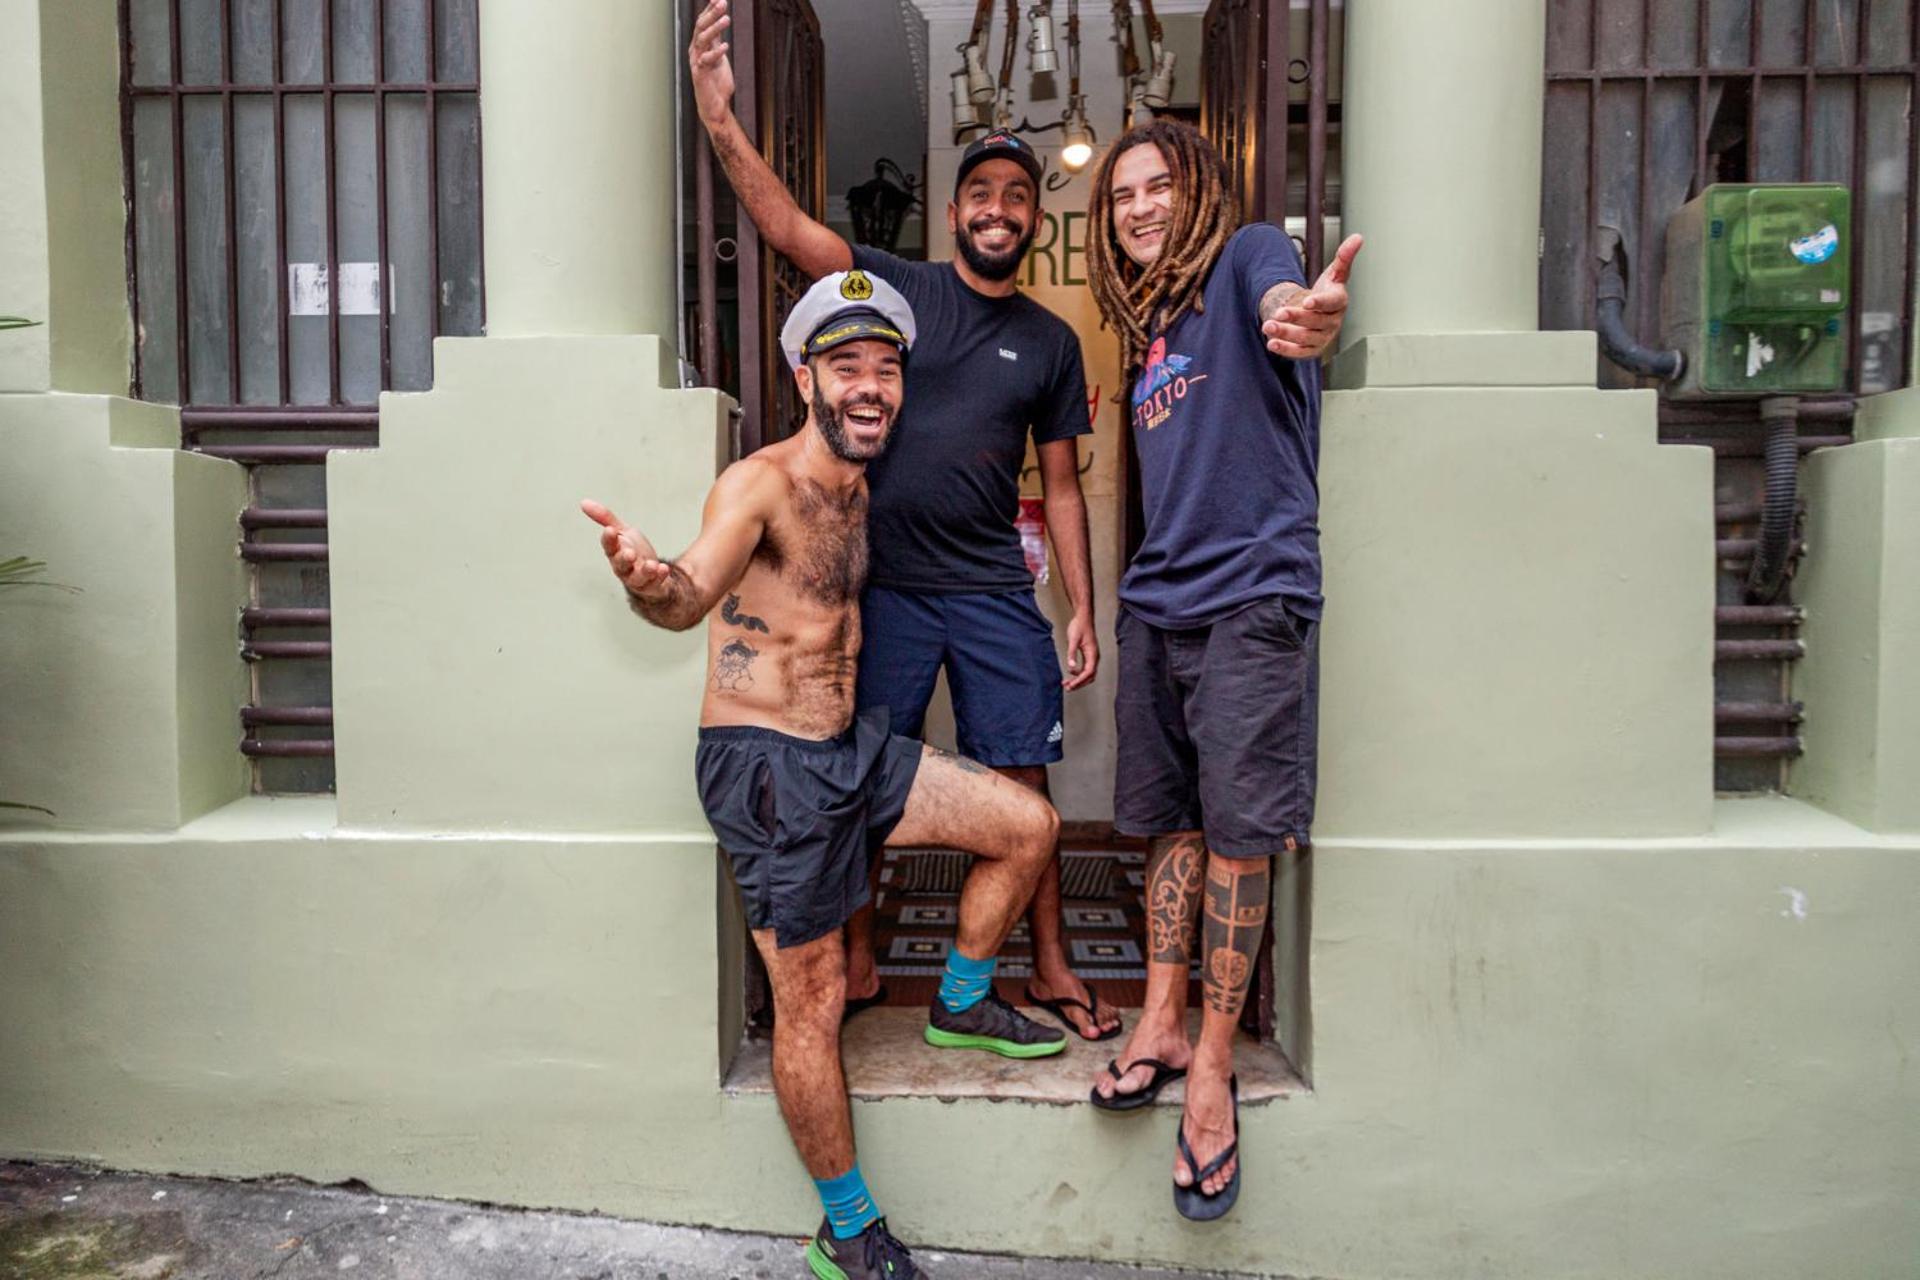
(1573,1058)
(887,1057)
(1553,358)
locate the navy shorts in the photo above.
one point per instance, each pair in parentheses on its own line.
(1218,729)
(1002,670)
(799,817)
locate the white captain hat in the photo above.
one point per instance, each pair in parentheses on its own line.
(845,307)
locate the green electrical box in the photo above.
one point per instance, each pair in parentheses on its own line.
(1756,289)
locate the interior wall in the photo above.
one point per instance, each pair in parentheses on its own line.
(1055,275)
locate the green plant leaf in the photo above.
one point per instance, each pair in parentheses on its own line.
(20,571)
(15,804)
(17,322)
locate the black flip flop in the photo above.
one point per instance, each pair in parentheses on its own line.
(1194,1204)
(864,1003)
(1058,1008)
(1163,1075)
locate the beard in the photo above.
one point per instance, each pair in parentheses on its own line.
(993,266)
(833,426)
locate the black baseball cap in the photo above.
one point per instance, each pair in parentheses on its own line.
(998,145)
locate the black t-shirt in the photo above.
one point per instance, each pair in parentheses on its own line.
(983,372)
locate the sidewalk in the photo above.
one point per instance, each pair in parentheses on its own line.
(59,1223)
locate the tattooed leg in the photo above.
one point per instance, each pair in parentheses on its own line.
(1237,893)
(1176,868)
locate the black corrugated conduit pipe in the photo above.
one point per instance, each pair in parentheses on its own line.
(1768,573)
(1617,341)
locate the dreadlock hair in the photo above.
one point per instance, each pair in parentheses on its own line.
(1133,299)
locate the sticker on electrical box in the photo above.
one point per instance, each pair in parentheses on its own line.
(1818,247)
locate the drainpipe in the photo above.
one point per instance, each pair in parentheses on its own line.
(1617,340)
(1768,573)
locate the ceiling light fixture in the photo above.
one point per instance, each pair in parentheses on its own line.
(1078,147)
(1079,140)
(1041,58)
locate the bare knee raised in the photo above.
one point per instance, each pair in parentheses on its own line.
(1039,832)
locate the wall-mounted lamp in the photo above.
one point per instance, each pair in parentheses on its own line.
(879,205)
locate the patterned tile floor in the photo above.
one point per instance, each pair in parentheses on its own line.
(1104,889)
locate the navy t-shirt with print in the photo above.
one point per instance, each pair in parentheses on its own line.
(1228,436)
(983,373)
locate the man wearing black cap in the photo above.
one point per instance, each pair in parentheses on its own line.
(949,585)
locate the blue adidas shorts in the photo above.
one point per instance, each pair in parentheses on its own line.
(1002,670)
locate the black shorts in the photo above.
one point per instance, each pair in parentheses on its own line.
(1218,729)
(799,817)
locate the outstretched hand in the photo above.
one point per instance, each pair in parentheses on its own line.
(1307,326)
(712,69)
(629,554)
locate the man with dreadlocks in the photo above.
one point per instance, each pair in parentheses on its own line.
(949,585)
(1220,336)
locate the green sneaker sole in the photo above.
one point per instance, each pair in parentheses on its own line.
(820,1265)
(1005,1048)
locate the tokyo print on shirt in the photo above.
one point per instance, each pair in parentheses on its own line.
(1228,437)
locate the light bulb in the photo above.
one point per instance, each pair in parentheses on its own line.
(1078,147)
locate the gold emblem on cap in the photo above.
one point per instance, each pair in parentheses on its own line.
(856,287)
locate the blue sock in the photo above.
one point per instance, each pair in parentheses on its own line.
(849,1207)
(965,982)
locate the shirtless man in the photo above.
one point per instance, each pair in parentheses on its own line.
(796,788)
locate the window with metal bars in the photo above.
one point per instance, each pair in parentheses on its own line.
(1649,101)
(304,185)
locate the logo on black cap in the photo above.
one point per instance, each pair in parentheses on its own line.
(856,287)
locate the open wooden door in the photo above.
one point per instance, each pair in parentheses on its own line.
(779,67)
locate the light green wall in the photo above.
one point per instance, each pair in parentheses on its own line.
(1519,631)
(91,330)
(577,148)
(123,698)
(25,359)
(1860,585)
(487,673)
(1440,138)
(1533,1059)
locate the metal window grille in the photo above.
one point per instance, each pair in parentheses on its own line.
(304,184)
(1270,92)
(1649,101)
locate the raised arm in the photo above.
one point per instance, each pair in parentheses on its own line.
(1302,323)
(812,246)
(676,594)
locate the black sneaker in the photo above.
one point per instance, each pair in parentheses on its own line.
(872,1255)
(993,1025)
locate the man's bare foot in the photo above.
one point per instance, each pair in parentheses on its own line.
(1208,1123)
(1061,983)
(1152,1038)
